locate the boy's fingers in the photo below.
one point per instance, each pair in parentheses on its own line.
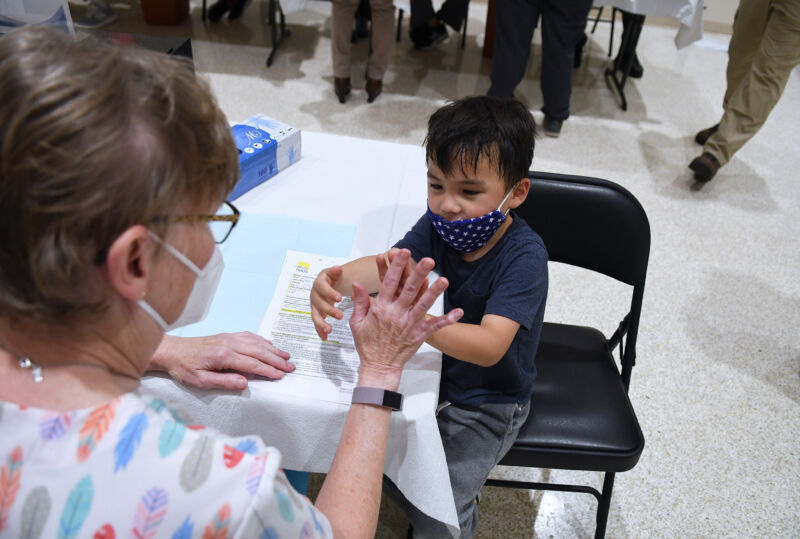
(335,273)
(327,293)
(382,261)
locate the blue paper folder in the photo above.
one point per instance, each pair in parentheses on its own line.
(254,255)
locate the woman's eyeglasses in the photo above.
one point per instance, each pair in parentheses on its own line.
(221,223)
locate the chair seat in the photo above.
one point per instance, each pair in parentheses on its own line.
(581,418)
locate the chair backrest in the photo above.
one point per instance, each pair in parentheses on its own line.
(591,223)
(597,225)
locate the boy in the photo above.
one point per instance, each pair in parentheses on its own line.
(479,150)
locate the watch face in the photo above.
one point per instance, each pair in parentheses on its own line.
(392,400)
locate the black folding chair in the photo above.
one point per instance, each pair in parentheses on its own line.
(581,417)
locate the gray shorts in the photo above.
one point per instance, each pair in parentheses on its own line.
(474,440)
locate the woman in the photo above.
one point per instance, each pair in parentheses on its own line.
(343,15)
(112,165)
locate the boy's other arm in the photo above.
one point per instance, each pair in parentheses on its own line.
(483,344)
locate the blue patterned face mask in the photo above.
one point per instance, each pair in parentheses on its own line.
(468,235)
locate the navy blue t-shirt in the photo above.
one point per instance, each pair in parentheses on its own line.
(510,280)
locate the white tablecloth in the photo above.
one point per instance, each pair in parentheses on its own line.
(379,187)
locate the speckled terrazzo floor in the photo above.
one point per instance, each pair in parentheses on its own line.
(717,385)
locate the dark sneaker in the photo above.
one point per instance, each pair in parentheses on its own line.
(429,37)
(704,167)
(552,127)
(703,135)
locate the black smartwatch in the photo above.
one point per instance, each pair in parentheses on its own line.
(378,397)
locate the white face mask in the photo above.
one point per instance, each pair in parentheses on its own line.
(202,294)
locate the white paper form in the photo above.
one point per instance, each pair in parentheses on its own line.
(325,370)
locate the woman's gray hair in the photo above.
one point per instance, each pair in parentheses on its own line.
(94,139)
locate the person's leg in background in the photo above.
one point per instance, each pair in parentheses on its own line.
(423,27)
(516,20)
(749,26)
(342,16)
(621,59)
(748,30)
(563,26)
(363,16)
(427,27)
(748,105)
(382,43)
(453,13)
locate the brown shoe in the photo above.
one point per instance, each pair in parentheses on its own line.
(703,135)
(342,88)
(704,167)
(374,89)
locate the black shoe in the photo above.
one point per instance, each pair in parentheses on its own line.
(216,11)
(552,127)
(374,89)
(636,71)
(703,135)
(341,87)
(429,37)
(576,62)
(704,167)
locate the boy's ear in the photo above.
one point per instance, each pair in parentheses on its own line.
(520,193)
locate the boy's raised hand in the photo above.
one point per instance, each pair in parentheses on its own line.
(324,297)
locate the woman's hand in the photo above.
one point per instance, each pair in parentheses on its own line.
(390,328)
(383,262)
(200,361)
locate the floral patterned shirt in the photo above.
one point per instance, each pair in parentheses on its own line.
(135,467)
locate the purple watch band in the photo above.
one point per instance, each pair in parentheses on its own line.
(378,397)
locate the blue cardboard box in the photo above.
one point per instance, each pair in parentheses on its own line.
(266,147)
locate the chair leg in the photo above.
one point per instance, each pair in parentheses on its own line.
(204,10)
(597,19)
(611,35)
(603,505)
(399,24)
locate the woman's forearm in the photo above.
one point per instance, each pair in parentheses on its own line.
(353,484)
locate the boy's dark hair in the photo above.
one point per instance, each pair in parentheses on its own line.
(499,129)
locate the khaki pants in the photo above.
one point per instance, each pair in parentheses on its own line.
(343,15)
(764,49)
